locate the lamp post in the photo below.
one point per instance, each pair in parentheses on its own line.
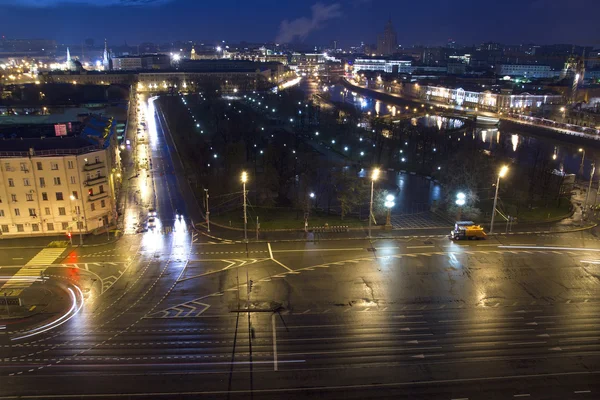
(78,226)
(374,176)
(389,203)
(244,180)
(311,195)
(460,202)
(587,195)
(582,151)
(501,174)
(207,212)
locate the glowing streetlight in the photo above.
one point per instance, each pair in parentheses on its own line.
(244,180)
(501,174)
(374,177)
(582,151)
(389,203)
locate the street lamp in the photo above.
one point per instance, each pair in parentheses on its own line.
(311,195)
(244,180)
(588,191)
(582,151)
(207,213)
(501,174)
(460,201)
(374,176)
(78,226)
(389,203)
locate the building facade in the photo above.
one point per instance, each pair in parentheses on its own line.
(382,64)
(526,70)
(485,100)
(60,185)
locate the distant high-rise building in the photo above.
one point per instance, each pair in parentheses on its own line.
(387,43)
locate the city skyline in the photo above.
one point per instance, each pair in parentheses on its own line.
(318,23)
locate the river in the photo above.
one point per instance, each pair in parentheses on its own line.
(417,192)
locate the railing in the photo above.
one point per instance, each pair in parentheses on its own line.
(97,196)
(96,165)
(95,181)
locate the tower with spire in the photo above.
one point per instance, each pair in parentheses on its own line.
(106,60)
(387,43)
(68,56)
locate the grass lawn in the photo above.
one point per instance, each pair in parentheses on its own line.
(275,218)
(535,214)
(540,214)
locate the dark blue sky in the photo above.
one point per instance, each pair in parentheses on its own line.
(348,21)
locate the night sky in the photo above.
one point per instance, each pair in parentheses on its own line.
(429,22)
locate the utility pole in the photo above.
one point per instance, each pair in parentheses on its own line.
(587,195)
(207,212)
(6,302)
(257,227)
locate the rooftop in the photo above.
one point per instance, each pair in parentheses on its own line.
(95,135)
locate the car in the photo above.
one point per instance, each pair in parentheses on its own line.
(178,214)
(151,223)
(152,212)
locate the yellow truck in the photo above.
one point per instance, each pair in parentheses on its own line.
(467,230)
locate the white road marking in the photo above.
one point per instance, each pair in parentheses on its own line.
(270,251)
(418,247)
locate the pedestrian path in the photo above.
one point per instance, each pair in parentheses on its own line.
(31,271)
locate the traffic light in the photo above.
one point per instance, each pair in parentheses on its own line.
(69,235)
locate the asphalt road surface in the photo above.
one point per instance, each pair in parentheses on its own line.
(164,314)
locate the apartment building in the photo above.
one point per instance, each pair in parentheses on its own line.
(57,185)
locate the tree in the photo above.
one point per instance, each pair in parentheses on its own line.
(349,190)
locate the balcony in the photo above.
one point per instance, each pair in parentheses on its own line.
(96,165)
(97,196)
(95,181)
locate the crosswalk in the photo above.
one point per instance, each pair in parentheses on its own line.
(32,270)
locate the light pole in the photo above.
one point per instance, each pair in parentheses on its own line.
(78,226)
(244,180)
(207,212)
(587,195)
(311,195)
(501,174)
(460,202)
(389,203)
(582,151)
(374,176)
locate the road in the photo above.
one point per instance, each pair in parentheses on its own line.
(166,315)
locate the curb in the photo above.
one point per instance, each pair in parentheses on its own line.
(406,236)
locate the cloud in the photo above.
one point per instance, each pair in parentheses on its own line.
(301,27)
(96,3)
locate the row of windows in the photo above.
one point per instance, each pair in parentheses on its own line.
(59,195)
(40,166)
(27,181)
(61,210)
(36,227)
(56,180)
(29,196)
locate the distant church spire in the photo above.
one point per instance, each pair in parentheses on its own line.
(106,57)
(68,56)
